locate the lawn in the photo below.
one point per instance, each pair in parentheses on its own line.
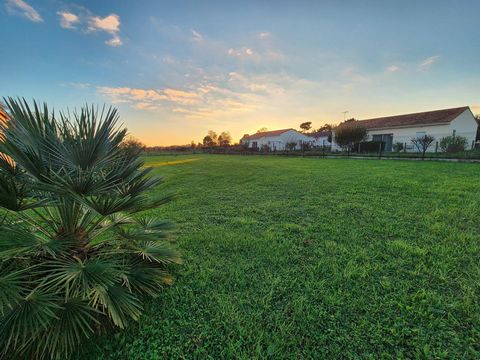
(314,258)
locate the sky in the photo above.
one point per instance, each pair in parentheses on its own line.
(176,69)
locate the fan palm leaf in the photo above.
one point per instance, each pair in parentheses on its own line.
(73,254)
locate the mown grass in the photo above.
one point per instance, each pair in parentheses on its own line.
(304,258)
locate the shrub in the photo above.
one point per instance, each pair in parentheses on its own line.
(453,144)
(398,146)
(76,255)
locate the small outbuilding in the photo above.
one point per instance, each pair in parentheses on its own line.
(276,139)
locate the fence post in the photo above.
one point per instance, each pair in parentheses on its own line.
(436,146)
(405,147)
(473,144)
(379,149)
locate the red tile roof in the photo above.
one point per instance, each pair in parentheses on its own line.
(265,133)
(424,118)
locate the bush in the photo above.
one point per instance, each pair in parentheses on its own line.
(398,146)
(75,255)
(452,144)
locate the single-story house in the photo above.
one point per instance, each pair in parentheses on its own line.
(275,140)
(321,138)
(438,123)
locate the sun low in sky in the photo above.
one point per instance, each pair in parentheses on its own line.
(178,69)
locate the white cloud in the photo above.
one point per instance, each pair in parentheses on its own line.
(393,68)
(243,52)
(428,62)
(91,23)
(68,20)
(264,35)
(20,7)
(196,36)
(114,41)
(109,24)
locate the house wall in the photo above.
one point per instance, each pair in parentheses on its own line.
(321,141)
(279,142)
(464,125)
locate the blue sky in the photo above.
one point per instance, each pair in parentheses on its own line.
(178,69)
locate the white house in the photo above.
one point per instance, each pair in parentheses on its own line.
(276,139)
(321,139)
(438,123)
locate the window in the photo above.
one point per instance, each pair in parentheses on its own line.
(420,134)
(254,144)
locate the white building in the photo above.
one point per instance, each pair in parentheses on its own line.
(276,139)
(439,123)
(321,139)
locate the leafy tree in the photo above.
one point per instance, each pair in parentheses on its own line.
(213,136)
(76,254)
(306,126)
(208,141)
(349,133)
(262,129)
(422,143)
(133,145)
(224,139)
(325,127)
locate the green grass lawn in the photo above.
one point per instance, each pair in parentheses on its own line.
(315,258)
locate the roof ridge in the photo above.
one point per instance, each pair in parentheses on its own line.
(417,113)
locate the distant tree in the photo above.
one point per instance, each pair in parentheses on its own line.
(348,134)
(422,143)
(306,126)
(208,141)
(349,120)
(132,145)
(213,135)
(224,139)
(325,127)
(262,129)
(193,145)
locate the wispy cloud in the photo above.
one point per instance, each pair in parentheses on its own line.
(68,20)
(264,35)
(428,62)
(243,52)
(109,24)
(20,7)
(196,36)
(214,96)
(393,68)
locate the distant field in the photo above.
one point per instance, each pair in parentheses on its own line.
(315,258)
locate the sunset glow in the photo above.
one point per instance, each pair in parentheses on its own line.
(176,71)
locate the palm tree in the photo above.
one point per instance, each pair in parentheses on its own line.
(77,251)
